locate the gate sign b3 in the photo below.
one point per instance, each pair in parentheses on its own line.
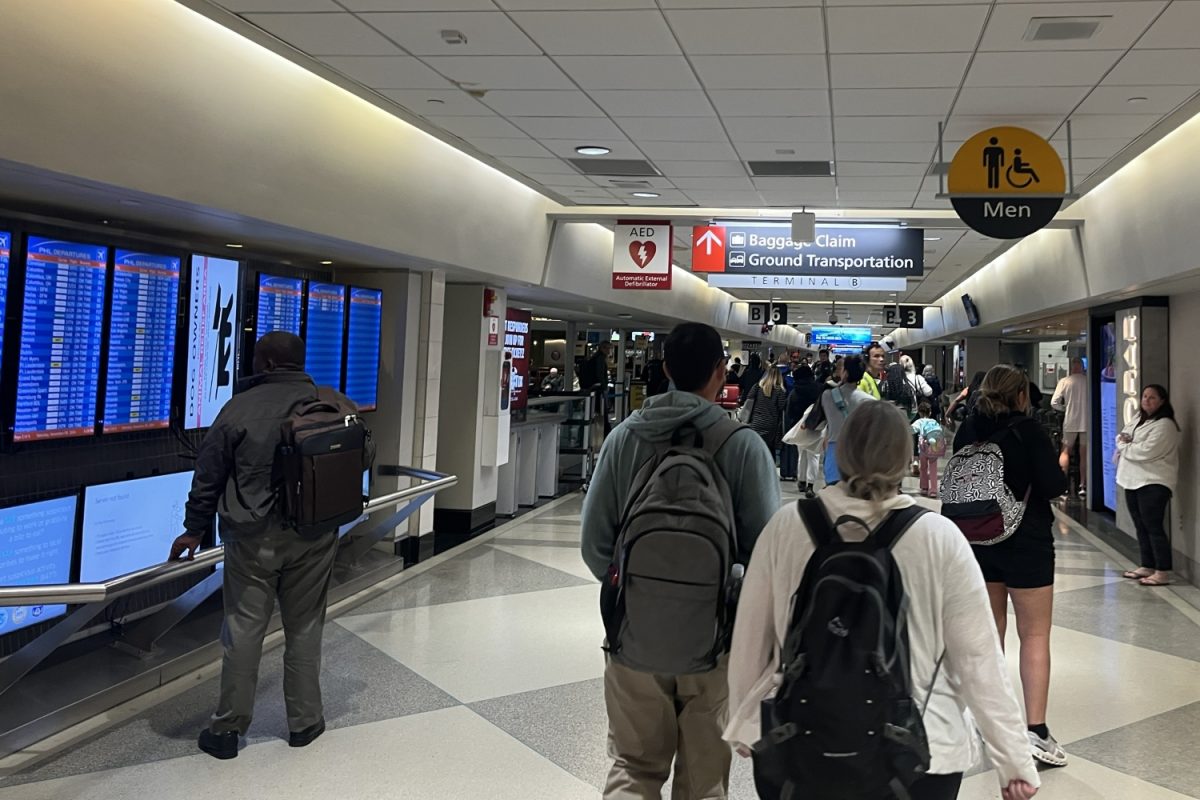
(904,316)
(642,255)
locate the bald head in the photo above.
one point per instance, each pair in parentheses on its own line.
(279,350)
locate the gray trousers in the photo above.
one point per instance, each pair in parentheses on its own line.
(258,570)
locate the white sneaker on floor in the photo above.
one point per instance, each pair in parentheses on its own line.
(1047,751)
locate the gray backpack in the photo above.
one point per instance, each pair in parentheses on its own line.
(670,593)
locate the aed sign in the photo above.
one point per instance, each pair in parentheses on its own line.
(762,313)
(1006,182)
(641,255)
(904,316)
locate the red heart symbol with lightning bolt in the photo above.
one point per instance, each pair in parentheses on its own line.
(642,253)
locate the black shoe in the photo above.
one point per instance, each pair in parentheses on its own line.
(219,745)
(810,492)
(307,736)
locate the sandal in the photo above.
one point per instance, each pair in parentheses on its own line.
(1138,574)
(1153,582)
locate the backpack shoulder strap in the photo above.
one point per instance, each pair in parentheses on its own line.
(819,527)
(889,533)
(715,436)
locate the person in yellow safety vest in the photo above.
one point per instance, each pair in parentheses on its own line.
(876,358)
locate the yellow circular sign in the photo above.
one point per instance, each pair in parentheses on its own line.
(1006,161)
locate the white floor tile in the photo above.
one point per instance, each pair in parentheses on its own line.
(566,559)
(1079,780)
(1068,583)
(452,753)
(491,647)
(542,533)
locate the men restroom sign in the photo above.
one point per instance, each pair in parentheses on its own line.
(642,255)
(1006,182)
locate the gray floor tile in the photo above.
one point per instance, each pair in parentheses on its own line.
(1129,613)
(1099,572)
(359,683)
(1160,749)
(537,543)
(479,572)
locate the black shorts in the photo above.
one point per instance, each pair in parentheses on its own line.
(1023,561)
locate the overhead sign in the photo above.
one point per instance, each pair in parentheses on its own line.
(904,316)
(814,283)
(642,255)
(767,248)
(839,336)
(211,341)
(762,313)
(1006,182)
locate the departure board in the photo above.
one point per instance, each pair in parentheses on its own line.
(58,377)
(279,301)
(141,342)
(5,249)
(362,347)
(323,333)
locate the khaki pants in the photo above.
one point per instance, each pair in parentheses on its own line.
(258,570)
(656,719)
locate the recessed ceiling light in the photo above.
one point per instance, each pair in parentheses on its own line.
(933,238)
(326,263)
(1136,100)
(436,101)
(625,316)
(645,194)
(592,150)
(235,246)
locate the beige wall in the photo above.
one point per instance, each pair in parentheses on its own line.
(1185,396)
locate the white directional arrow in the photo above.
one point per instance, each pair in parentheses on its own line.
(708,240)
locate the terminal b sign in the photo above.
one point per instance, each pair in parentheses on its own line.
(1006,182)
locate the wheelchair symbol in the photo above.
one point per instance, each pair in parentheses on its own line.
(1020,166)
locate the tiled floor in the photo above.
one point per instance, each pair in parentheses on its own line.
(480,678)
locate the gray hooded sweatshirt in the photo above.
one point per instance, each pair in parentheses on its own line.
(744,460)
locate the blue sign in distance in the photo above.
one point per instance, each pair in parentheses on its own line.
(141,342)
(362,347)
(279,303)
(58,377)
(766,248)
(36,546)
(5,250)
(323,333)
(839,337)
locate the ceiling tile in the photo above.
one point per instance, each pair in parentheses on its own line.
(517,103)
(852,169)
(877,199)
(1111,126)
(926,29)
(1020,100)
(715,184)
(1115,99)
(388,72)
(725,198)
(911,152)
(963,126)
(896,129)
(749,30)
(588,130)
(798,185)
(501,72)
(557,179)
(901,102)
(573,5)
(630,72)
(1068,68)
(779,129)
(440,103)
(1009,22)
(892,70)
(489,33)
(762,72)
(522,148)
(771,103)
(326,34)
(631,103)
(275,6)
(701,169)
(799,197)
(673,129)
(1090,148)
(419,5)
(1179,26)
(669,4)
(475,127)
(1156,68)
(768,151)
(541,166)
(690,151)
(603,33)
(908,184)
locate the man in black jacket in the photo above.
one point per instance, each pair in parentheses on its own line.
(263,559)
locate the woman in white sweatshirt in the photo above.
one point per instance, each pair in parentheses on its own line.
(1148,469)
(949,615)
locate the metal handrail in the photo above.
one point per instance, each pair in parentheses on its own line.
(79,593)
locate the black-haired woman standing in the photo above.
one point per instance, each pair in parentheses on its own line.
(1147,469)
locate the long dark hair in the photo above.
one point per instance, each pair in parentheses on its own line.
(1165,411)
(893,385)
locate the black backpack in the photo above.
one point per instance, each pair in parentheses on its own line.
(844,725)
(323,451)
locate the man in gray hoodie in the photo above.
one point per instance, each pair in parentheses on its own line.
(657,719)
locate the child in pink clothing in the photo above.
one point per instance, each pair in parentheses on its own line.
(931,445)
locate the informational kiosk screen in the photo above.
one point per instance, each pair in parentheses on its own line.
(279,302)
(130,525)
(362,347)
(36,542)
(141,342)
(58,377)
(5,250)
(211,343)
(323,333)
(841,338)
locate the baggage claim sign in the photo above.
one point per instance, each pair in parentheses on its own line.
(758,255)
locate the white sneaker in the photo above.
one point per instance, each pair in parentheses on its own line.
(1048,751)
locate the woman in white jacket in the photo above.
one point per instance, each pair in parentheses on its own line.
(949,615)
(1147,469)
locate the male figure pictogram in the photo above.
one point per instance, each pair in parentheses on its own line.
(993,159)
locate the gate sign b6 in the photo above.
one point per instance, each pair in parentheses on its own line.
(904,316)
(761,313)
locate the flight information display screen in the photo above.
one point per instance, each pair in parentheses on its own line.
(279,302)
(130,525)
(141,343)
(323,333)
(362,347)
(5,249)
(36,542)
(58,378)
